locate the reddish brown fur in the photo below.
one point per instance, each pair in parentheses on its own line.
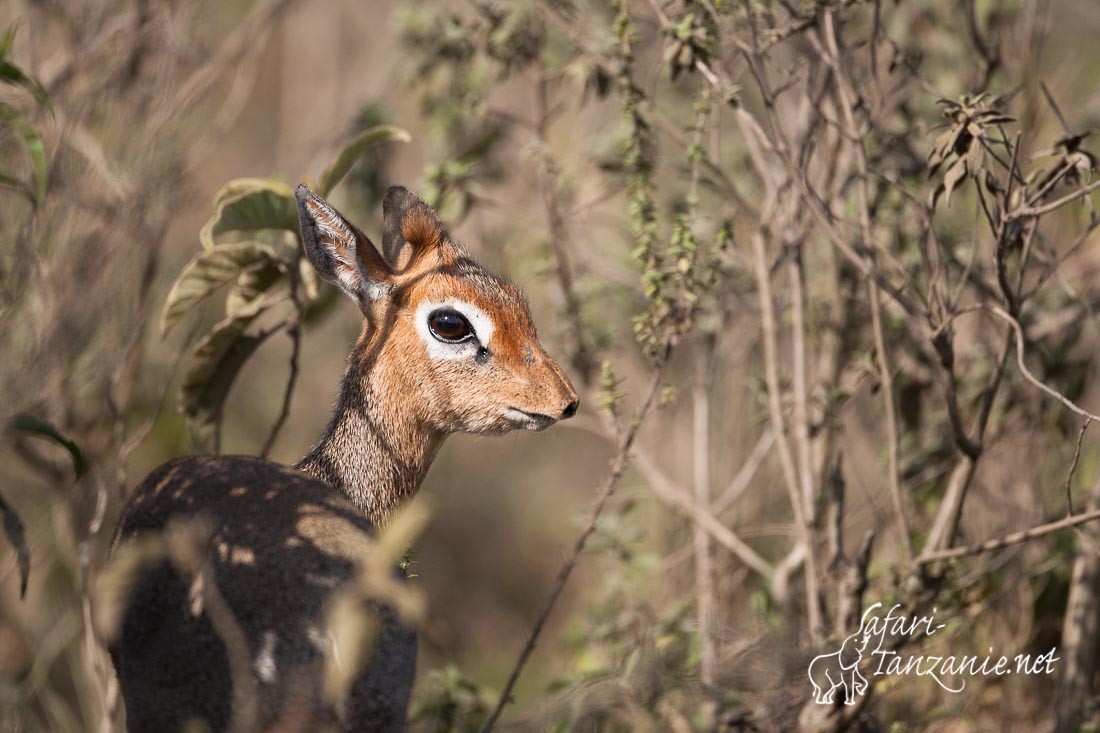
(421,230)
(403,392)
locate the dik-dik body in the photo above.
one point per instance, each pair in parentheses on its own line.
(445,347)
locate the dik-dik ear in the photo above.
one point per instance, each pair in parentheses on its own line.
(408,222)
(341,253)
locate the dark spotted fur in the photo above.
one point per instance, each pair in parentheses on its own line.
(171,664)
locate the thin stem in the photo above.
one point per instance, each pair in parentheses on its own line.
(680,499)
(295,334)
(1010,539)
(801,417)
(887,387)
(775,411)
(294,331)
(618,467)
(582,358)
(705,595)
(1053,205)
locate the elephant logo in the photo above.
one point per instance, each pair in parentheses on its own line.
(828,672)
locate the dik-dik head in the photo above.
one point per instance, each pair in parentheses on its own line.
(455,343)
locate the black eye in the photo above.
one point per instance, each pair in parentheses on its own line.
(450,326)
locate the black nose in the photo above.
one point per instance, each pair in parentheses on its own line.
(570,410)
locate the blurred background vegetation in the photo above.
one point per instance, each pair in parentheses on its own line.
(817,225)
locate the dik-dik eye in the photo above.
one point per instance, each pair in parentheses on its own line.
(450,326)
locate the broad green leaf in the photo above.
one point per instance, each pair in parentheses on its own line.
(13,528)
(208,272)
(215,362)
(42,429)
(355,150)
(240,186)
(251,204)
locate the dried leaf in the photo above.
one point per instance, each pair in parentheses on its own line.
(253,282)
(353,620)
(208,272)
(354,150)
(1083,161)
(942,148)
(992,184)
(251,204)
(400,531)
(183,541)
(352,629)
(215,362)
(954,175)
(975,159)
(116,581)
(310,281)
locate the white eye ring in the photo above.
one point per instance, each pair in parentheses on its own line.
(481,324)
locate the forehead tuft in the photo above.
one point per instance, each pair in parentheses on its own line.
(466,280)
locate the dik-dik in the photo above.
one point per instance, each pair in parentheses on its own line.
(445,347)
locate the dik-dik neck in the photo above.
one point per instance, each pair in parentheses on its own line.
(374,449)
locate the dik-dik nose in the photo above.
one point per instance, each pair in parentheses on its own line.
(566,393)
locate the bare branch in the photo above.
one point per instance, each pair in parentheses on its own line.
(679,498)
(1033,211)
(775,410)
(1009,539)
(618,467)
(744,475)
(294,331)
(887,386)
(1049,391)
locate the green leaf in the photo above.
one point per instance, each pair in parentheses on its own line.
(36,150)
(355,150)
(42,429)
(208,272)
(13,528)
(251,204)
(215,362)
(240,186)
(12,74)
(7,39)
